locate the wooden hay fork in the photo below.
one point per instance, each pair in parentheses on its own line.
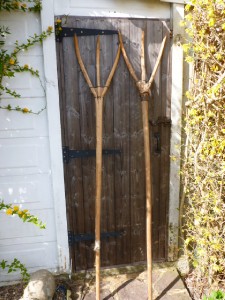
(144,87)
(98,93)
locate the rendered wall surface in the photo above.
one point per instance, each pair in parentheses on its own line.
(113,8)
(25,170)
(31,172)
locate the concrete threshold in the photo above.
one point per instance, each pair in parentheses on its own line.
(130,283)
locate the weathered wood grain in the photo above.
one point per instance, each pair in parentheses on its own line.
(137,168)
(154,39)
(108,203)
(123,188)
(165,145)
(74,142)
(121,137)
(88,135)
(61,83)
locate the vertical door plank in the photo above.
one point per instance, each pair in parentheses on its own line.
(107,200)
(108,195)
(165,144)
(166,72)
(154,39)
(61,83)
(123,193)
(87,123)
(137,168)
(121,141)
(74,173)
(74,142)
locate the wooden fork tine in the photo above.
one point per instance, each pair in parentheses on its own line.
(157,62)
(129,65)
(108,81)
(83,69)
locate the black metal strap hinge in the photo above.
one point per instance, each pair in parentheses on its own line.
(68,154)
(90,237)
(70,32)
(161,121)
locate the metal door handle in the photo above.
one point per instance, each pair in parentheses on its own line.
(157,142)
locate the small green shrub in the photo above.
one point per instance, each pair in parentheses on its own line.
(215,295)
(15,266)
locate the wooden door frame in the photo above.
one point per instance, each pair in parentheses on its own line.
(55,142)
(178,79)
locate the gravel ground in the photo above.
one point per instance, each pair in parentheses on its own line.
(117,286)
(11,292)
(15,292)
(79,288)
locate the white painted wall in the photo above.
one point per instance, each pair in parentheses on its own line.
(25,167)
(113,8)
(31,169)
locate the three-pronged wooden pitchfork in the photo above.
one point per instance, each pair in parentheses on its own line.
(98,93)
(144,88)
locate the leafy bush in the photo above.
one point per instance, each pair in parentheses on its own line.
(203,169)
(215,295)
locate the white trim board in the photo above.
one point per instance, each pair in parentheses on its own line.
(175,142)
(113,8)
(52,94)
(54,127)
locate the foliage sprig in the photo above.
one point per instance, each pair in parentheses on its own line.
(9,62)
(9,66)
(24,215)
(215,295)
(25,5)
(15,266)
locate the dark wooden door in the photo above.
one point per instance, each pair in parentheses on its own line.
(123,194)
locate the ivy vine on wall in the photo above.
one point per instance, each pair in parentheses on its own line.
(9,62)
